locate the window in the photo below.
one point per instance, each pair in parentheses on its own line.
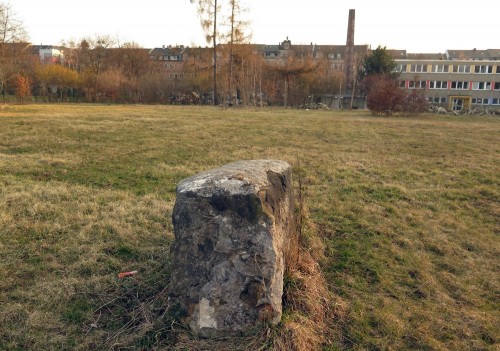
(481,85)
(418,68)
(480,101)
(497,86)
(440,68)
(417,84)
(460,85)
(495,101)
(483,69)
(461,69)
(402,84)
(438,100)
(439,84)
(402,68)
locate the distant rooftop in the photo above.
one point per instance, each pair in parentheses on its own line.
(474,54)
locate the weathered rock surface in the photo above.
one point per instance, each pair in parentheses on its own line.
(232,226)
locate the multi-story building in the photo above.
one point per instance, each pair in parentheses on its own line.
(170,60)
(457,80)
(49,54)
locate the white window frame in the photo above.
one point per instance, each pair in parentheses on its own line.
(461,69)
(417,84)
(438,84)
(418,68)
(459,85)
(484,69)
(481,85)
(441,68)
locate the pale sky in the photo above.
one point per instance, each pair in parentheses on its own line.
(417,26)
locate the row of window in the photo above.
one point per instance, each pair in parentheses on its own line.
(337,66)
(460,85)
(475,101)
(442,68)
(334,56)
(167,58)
(485,101)
(170,66)
(437,100)
(438,84)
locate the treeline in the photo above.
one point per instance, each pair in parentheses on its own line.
(96,70)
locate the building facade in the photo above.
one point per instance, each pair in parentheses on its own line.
(457,80)
(49,54)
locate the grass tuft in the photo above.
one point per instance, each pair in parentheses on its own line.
(311,313)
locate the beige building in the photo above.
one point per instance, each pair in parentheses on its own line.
(456,80)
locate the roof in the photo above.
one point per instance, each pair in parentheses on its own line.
(397,54)
(494,54)
(473,54)
(430,56)
(168,51)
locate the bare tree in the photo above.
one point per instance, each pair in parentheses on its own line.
(291,69)
(11,28)
(13,37)
(237,35)
(92,58)
(207,10)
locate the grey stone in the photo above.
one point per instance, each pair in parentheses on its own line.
(233,226)
(441,110)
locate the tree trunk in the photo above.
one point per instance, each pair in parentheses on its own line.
(215,55)
(231,51)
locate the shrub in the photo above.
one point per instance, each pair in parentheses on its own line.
(415,103)
(384,96)
(23,88)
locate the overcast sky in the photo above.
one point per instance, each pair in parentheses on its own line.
(417,26)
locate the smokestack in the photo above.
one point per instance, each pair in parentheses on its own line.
(349,55)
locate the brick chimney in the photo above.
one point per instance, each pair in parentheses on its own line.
(349,55)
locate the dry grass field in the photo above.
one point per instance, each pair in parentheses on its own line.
(407,213)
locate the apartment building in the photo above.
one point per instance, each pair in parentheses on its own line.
(49,54)
(456,80)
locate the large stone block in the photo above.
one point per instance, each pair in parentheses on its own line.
(232,228)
